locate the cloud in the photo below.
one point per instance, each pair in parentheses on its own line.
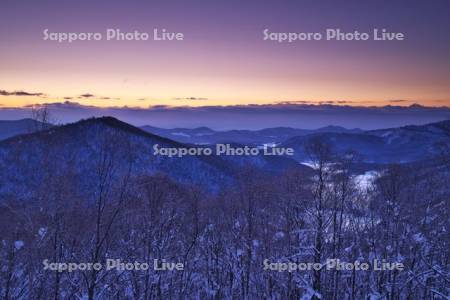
(191,98)
(315,102)
(87,95)
(294,102)
(397,100)
(109,98)
(65,105)
(42,95)
(250,116)
(19,93)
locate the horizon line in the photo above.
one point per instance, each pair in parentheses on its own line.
(295,103)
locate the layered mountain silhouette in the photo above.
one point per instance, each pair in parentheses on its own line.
(392,145)
(205,135)
(84,149)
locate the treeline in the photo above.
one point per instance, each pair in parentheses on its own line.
(223,239)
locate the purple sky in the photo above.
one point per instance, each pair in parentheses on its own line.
(223,59)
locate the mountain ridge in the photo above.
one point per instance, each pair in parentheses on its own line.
(77,148)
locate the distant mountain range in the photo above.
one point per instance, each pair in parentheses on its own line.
(205,135)
(394,145)
(78,147)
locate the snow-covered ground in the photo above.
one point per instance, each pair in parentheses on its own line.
(364,181)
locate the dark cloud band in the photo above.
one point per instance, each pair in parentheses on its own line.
(19,93)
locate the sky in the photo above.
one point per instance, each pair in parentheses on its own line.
(223,59)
